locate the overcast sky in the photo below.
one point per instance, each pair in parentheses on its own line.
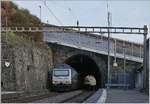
(133,13)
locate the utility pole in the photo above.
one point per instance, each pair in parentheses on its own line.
(145,57)
(108,63)
(124,64)
(40,14)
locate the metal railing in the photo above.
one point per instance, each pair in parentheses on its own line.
(81,29)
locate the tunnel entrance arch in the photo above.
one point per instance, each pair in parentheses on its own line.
(85,65)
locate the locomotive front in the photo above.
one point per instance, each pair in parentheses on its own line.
(62,78)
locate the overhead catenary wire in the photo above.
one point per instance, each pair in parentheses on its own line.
(73,14)
(52,13)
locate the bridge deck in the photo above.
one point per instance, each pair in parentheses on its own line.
(96,44)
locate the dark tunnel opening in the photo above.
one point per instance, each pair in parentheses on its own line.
(84,65)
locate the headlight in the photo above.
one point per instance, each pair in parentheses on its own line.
(55,82)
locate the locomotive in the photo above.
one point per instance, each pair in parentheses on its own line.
(64,78)
(90,82)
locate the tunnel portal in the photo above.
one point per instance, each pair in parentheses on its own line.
(85,65)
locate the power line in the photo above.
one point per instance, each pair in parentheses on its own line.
(68,9)
(52,13)
(73,14)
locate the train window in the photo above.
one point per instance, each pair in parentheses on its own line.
(61,73)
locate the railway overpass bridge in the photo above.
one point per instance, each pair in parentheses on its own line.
(87,52)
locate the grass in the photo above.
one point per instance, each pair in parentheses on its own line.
(14,40)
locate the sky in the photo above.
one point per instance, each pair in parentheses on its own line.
(132,13)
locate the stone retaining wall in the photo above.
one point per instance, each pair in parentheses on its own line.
(28,68)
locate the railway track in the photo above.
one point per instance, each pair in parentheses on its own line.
(59,98)
(77,96)
(28,99)
(80,98)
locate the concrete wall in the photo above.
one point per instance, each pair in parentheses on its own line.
(28,69)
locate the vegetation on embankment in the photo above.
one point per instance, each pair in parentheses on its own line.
(11,15)
(14,40)
(17,16)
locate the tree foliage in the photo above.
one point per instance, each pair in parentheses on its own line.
(11,15)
